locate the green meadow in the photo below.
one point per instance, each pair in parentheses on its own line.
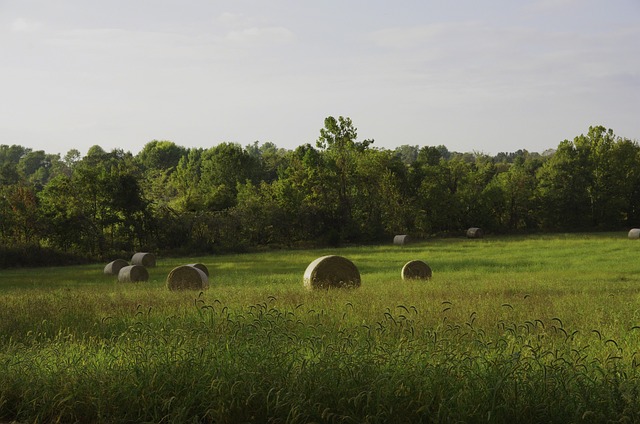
(525,329)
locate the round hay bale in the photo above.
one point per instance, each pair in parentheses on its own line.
(147,260)
(634,233)
(331,272)
(187,277)
(475,232)
(114,267)
(201,267)
(416,270)
(401,240)
(132,274)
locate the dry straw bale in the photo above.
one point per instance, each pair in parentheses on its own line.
(331,272)
(634,233)
(201,267)
(145,259)
(418,270)
(475,232)
(114,267)
(132,274)
(187,277)
(401,240)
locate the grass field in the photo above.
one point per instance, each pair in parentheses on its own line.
(516,329)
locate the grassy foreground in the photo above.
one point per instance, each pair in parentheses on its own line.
(518,329)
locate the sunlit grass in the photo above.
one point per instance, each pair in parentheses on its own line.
(523,329)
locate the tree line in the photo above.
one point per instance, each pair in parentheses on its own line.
(180,200)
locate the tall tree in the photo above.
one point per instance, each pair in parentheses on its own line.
(563,188)
(270,159)
(407,153)
(613,167)
(38,167)
(588,182)
(305,193)
(9,158)
(21,216)
(223,167)
(515,208)
(160,155)
(185,183)
(383,205)
(99,207)
(338,142)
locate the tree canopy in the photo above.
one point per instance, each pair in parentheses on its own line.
(230,197)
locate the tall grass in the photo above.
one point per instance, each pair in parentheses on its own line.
(522,329)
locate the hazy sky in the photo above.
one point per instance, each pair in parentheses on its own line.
(474,75)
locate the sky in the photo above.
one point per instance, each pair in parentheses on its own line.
(475,76)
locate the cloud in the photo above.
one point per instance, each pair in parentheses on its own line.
(406,38)
(23,25)
(503,62)
(237,20)
(547,6)
(200,75)
(263,35)
(250,29)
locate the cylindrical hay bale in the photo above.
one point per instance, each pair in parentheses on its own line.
(201,267)
(401,240)
(475,232)
(132,274)
(147,260)
(634,233)
(331,272)
(187,277)
(113,268)
(417,270)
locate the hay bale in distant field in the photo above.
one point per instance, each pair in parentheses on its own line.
(331,272)
(201,267)
(634,233)
(475,232)
(187,277)
(132,274)
(418,270)
(401,240)
(147,260)
(114,267)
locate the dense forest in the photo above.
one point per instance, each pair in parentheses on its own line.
(178,200)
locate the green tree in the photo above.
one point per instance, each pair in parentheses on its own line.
(38,167)
(68,226)
(613,167)
(20,214)
(261,218)
(338,142)
(72,157)
(160,155)
(627,161)
(475,195)
(383,205)
(223,167)
(99,208)
(515,208)
(440,205)
(588,182)
(270,158)
(563,189)
(303,192)
(9,158)
(185,183)
(407,154)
